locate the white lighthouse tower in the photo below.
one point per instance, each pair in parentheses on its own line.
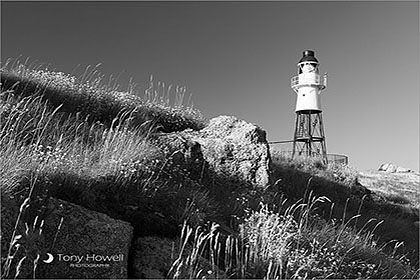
(309,137)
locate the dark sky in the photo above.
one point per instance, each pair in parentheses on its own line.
(237,58)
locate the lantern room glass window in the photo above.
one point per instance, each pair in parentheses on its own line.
(307,67)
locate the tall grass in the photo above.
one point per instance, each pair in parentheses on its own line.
(52,125)
(35,137)
(293,245)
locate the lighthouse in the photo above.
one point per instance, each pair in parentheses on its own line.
(309,136)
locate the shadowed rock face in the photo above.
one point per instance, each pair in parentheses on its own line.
(237,149)
(82,243)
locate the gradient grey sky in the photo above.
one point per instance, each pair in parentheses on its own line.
(237,58)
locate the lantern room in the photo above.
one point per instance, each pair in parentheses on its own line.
(308,84)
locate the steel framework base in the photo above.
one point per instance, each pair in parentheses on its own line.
(309,137)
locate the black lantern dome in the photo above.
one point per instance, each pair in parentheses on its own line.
(309,56)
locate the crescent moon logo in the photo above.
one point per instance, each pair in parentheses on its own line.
(50,258)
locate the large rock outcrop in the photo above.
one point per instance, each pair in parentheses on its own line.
(227,147)
(236,149)
(74,242)
(228,161)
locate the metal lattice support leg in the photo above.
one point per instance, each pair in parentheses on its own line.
(309,137)
(323,142)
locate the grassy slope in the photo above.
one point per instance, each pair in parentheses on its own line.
(350,198)
(103,103)
(400,188)
(105,147)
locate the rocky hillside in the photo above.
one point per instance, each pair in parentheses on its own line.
(98,183)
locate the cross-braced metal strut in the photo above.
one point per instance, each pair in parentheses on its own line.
(309,137)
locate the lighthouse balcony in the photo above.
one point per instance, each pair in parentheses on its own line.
(311,79)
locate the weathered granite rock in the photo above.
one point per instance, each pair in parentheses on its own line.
(237,149)
(392,168)
(402,170)
(227,147)
(79,243)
